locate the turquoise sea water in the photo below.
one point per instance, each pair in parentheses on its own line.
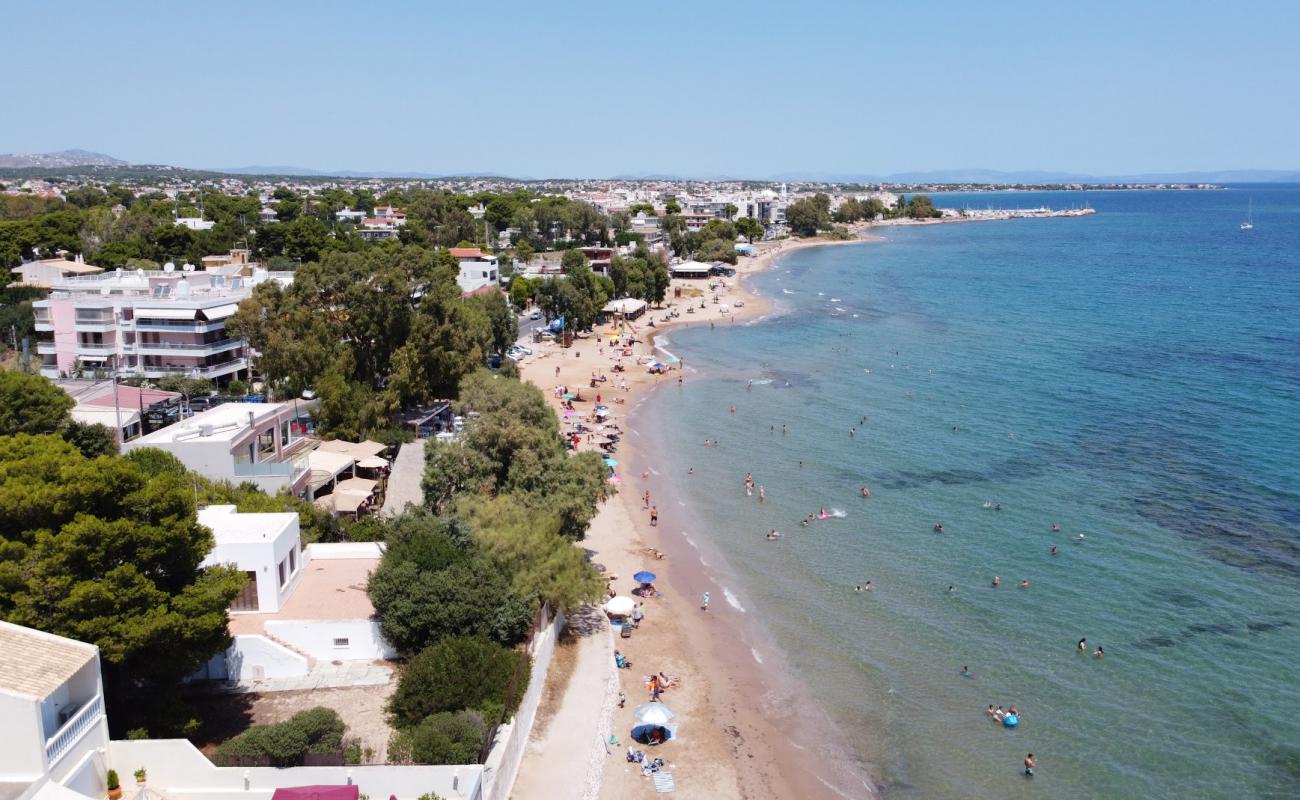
(1133,376)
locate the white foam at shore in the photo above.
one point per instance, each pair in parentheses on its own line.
(652,470)
(731,600)
(756,656)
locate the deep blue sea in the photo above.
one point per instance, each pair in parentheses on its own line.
(1134,377)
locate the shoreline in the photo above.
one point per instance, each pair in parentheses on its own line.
(735,713)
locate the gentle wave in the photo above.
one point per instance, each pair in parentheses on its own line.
(731,600)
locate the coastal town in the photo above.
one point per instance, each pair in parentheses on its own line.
(593,401)
(376,577)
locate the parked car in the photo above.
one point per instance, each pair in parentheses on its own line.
(494,361)
(535,315)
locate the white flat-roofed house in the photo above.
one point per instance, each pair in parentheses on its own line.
(262,443)
(266,547)
(145,324)
(52,702)
(478,270)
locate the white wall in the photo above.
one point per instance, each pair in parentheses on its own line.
(254,657)
(316,637)
(22,739)
(507,753)
(345,550)
(180,772)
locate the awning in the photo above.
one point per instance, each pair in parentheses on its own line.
(165,313)
(221,312)
(317,793)
(358,450)
(326,465)
(372,462)
(360,486)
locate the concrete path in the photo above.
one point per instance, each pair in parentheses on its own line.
(404,480)
(325,675)
(565,760)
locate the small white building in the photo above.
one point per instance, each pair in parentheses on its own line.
(44,273)
(52,702)
(477,269)
(196,223)
(266,547)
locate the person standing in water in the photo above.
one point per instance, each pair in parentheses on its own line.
(1083,645)
(762,495)
(1029,765)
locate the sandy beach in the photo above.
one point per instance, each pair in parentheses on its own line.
(740,737)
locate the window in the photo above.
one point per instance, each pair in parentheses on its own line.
(281,569)
(340,641)
(293,560)
(266,443)
(285,430)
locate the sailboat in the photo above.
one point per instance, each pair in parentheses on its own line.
(1249,223)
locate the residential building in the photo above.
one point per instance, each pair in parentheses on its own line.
(263,443)
(52,701)
(145,324)
(45,272)
(196,223)
(379,228)
(599,258)
(54,744)
(477,269)
(348,215)
(267,214)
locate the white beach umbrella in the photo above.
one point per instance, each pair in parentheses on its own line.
(652,714)
(620,606)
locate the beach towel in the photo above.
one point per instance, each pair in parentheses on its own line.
(664,782)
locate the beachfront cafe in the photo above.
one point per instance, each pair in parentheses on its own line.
(348,478)
(691,269)
(627,308)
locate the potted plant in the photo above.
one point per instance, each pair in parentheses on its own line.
(114,785)
(139,775)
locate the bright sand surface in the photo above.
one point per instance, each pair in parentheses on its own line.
(743,733)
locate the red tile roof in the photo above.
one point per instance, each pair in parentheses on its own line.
(466,252)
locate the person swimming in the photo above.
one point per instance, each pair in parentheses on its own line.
(822,514)
(1024,583)
(1099,652)
(772,535)
(1056,528)
(938,527)
(966,673)
(865,493)
(1053,550)
(996,581)
(1080,538)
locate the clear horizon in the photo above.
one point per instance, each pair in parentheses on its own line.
(747,91)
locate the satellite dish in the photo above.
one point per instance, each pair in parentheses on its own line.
(169,267)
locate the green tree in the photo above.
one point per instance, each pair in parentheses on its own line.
(31,404)
(750,228)
(729,211)
(442,738)
(573,260)
(672,206)
(304,239)
(808,215)
(99,551)
(460,672)
(451,469)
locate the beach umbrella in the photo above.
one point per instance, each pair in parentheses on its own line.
(570,396)
(653,714)
(609,462)
(672,359)
(644,576)
(620,606)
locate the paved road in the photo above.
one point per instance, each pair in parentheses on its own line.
(404,480)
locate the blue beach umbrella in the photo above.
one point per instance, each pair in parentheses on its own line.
(644,577)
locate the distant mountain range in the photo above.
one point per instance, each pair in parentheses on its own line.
(66,159)
(63,158)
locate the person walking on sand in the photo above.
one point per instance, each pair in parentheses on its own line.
(637,615)
(646,499)
(654,516)
(705,604)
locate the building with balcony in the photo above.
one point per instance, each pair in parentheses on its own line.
(54,744)
(262,443)
(145,324)
(52,701)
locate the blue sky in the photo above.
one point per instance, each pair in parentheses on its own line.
(698,88)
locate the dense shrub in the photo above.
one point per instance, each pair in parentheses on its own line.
(316,730)
(457,673)
(443,738)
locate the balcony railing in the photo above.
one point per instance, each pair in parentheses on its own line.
(201,348)
(58,745)
(273,469)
